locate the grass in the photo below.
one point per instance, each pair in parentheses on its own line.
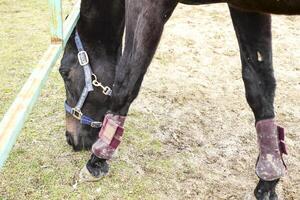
(41,164)
(183,150)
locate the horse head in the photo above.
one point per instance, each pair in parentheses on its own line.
(92,52)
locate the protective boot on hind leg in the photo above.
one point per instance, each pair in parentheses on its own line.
(254,35)
(270,165)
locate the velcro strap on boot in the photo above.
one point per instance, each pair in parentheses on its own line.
(281,137)
(270,164)
(110,136)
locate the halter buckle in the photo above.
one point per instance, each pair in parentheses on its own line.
(107,91)
(76,113)
(96,124)
(83,58)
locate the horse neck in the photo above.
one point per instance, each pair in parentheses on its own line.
(102,22)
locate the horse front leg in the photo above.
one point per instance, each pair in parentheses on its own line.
(253,31)
(145,20)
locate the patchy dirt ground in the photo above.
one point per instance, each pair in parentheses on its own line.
(190,134)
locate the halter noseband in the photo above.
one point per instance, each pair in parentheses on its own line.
(90,81)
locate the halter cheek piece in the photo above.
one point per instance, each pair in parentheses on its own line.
(90,81)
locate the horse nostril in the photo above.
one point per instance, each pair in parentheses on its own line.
(74,142)
(69,138)
(83,141)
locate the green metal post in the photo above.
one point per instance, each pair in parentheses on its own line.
(69,24)
(13,120)
(56,21)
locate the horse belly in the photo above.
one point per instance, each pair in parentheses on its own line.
(288,7)
(199,2)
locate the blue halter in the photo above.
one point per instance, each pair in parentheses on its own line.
(82,118)
(84,62)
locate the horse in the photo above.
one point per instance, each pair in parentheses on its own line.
(102,78)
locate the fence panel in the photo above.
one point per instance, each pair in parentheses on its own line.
(13,120)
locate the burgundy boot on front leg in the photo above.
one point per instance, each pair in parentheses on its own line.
(110,137)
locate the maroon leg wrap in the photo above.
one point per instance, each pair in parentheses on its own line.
(270,165)
(110,136)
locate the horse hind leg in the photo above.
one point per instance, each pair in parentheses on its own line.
(253,31)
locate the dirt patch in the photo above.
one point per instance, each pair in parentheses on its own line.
(195,92)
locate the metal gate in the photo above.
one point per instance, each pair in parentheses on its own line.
(13,120)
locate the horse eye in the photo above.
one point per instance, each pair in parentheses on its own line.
(64,72)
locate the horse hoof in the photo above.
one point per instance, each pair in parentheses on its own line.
(273,196)
(264,196)
(265,190)
(86,176)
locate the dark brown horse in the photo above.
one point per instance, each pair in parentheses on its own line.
(100,32)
